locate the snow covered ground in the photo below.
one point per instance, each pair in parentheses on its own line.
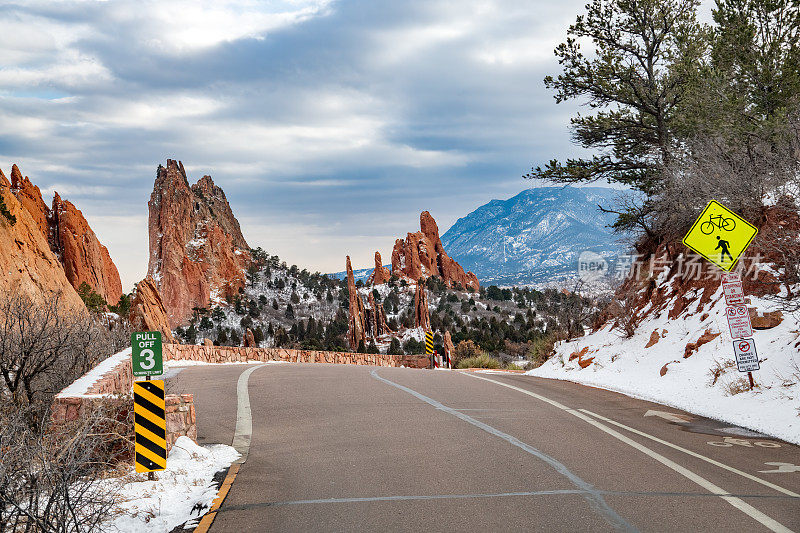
(625,365)
(174,498)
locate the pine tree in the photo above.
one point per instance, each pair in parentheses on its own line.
(644,64)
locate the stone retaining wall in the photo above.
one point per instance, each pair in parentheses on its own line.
(231,354)
(70,406)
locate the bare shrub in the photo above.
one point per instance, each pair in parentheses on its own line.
(44,347)
(737,386)
(718,369)
(740,171)
(541,349)
(51,479)
(465,350)
(623,310)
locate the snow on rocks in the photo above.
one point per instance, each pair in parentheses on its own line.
(174,498)
(687,362)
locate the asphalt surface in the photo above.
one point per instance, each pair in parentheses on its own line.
(357,448)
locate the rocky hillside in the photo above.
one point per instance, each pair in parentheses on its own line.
(65,233)
(668,332)
(535,236)
(26,261)
(198,255)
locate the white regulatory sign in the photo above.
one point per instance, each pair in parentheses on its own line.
(734,293)
(739,321)
(746,356)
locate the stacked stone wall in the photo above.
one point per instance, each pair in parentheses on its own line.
(234,354)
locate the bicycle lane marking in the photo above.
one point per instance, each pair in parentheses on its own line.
(738,503)
(589,492)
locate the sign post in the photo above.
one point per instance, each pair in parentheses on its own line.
(150,425)
(746,357)
(429,348)
(149,406)
(721,236)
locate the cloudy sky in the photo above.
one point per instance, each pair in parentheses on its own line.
(330,124)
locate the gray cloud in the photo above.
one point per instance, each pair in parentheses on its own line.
(330,125)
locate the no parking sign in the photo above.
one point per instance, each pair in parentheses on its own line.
(739,321)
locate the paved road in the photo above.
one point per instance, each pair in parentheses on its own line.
(356,448)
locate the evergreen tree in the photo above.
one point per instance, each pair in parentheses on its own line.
(645,57)
(5,213)
(289,312)
(394,347)
(93,301)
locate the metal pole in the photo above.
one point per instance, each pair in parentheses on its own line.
(750,376)
(151,476)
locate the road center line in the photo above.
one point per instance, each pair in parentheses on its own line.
(738,503)
(423,497)
(244,419)
(592,495)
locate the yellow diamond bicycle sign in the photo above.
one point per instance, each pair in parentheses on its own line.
(720,235)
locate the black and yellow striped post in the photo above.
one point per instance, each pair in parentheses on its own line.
(149,408)
(429,348)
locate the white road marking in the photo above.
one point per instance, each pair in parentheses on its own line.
(697,455)
(738,503)
(672,417)
(591,494)
(782,468)
(244,419)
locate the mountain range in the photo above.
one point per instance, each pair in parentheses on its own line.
(533,237)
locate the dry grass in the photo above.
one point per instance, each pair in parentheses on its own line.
(479,361)
(718,369)
(737,386)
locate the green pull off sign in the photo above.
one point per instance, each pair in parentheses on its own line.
(147,357)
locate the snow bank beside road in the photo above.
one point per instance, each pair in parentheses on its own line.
(161,505)
(626,365)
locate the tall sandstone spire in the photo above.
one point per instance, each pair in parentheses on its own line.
(422,317)
(380,274)
(198,255)
(70,238)
(421,255)
(357,326)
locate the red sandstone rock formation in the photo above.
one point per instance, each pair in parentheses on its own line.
(422,255)
(376,319)
(357,330)
(449,348)
(422,317)
(249,339)
(30,197)
(198,254)
(71,239)
(27,264)
(380,274)
(85,260)
(148,312)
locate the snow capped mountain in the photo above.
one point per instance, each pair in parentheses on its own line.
(535,236)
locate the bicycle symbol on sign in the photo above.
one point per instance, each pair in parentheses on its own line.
(727,224)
